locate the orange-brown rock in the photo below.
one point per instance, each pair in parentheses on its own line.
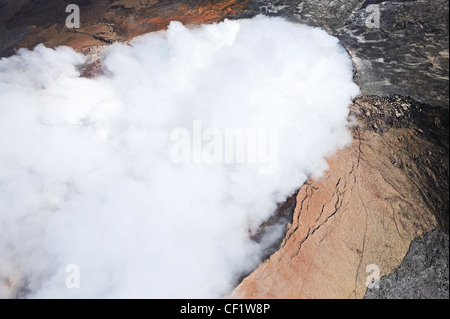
(105,21)
(365,210)
(389,186)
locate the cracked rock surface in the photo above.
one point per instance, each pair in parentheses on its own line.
(390,186)
(384,197)
(366,210)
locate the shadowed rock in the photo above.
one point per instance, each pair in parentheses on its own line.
(384,191)
(27,23)
(374,200)
(423,273)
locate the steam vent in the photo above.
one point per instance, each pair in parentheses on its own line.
(224,149)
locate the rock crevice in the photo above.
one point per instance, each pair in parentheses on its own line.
(365,211)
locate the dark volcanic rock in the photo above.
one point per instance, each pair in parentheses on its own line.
(26,23)
(387,188)
(423,274)
(426,162)
(398,47)
(400,51)
(382,191)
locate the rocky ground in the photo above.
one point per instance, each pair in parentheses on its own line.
(390,187)
(398,47)
(365,212)
(423,274)
(26,23)
(384,197)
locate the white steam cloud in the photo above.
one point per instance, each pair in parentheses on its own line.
(86,176)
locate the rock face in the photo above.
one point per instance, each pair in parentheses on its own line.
(391,184)
(363,213)
(398,47)
(423,273)
(381,194)
(26,23)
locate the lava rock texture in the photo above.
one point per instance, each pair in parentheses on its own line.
(384,200)
(423,274)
